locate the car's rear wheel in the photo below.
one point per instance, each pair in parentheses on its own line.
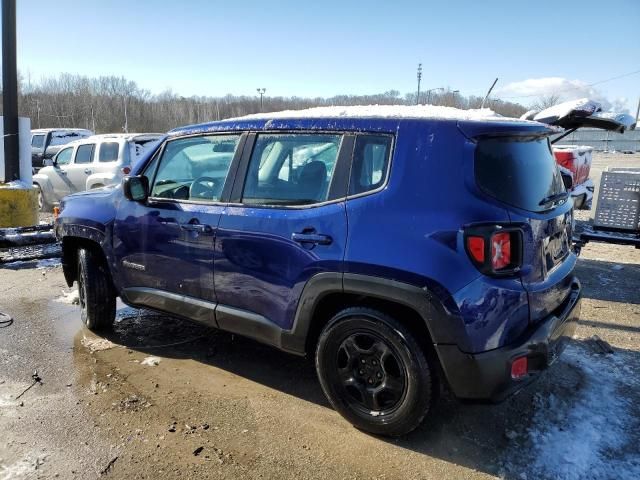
(374,372)
(96,294)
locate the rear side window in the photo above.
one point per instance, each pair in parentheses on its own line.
(291,169)
(109,152)
(519,172)
(37,141)
(370,163)
(84,154)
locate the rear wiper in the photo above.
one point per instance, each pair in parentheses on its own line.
(556,197)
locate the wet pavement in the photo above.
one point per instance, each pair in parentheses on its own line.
(163,398)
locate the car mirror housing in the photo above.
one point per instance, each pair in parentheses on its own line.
(136,188)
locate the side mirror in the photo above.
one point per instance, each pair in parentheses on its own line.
(567,180)
(136,188)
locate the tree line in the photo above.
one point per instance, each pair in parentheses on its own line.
(112,104)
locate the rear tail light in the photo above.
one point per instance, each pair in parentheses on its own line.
(519,368)
(125,170)
(495,250)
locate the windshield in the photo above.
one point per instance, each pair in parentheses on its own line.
(520,172)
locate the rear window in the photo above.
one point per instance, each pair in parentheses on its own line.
(109,152)
(519,172)
(37,141)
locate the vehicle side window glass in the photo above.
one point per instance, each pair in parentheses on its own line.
(291,169)
(64,156)
(194,168)
(109,152)
(370,163)
(37,141)
(84,154)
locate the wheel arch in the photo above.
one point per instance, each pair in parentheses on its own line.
(70,247)
(327,293)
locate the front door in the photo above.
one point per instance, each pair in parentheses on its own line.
(58,175)
(287,224)
(164,246)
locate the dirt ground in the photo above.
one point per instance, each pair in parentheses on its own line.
(163,398)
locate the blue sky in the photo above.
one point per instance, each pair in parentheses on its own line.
(330,47)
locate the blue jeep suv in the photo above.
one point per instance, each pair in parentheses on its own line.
(403,251)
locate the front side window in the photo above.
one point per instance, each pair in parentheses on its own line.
(37,141)
(64,156)
(109,152)
(370,163)
(291,169)
(193,168)
(84,154)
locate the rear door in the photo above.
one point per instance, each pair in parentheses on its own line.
(287,222)
(522,173)
(81,167)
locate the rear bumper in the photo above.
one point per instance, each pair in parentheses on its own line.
(487,375)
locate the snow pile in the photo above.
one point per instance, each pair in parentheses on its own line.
(595,433)
(385,111)
(151,361)
(70,298)
(97,344)
(18,185)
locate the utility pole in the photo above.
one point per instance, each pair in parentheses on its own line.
(126,119)
(261,92)
(637,113)
(10,91)
(419,80)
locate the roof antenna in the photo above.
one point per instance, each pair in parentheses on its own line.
(489,92)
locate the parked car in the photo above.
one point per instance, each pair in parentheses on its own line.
(46,142)
(575,161)
(402,248)
(94,162)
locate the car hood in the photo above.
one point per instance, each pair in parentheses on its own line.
(96,192)
(582,113)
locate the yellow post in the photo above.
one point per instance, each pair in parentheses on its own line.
(18,206)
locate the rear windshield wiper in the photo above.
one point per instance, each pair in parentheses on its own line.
(556,197)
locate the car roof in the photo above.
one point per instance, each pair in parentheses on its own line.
(70,130)
(382,118)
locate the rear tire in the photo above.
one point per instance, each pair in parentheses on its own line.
(374,372)
(97,296)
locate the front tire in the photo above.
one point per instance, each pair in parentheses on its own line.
(374,372)
(43,205)
(97,296)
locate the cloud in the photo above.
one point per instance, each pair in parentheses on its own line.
(531,90)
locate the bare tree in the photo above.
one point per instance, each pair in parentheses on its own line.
(546,101)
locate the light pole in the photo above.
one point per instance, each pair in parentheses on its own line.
(261,92)
(419,79)
(432,90)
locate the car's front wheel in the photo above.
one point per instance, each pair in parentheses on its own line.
(374,372)
(43,205)
(96,294)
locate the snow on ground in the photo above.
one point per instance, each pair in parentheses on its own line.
(70,298)
(594,431)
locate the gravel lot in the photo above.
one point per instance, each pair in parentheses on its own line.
(162,398)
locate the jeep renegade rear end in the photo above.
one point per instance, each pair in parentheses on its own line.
(403,248)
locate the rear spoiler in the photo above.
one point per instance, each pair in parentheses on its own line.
(580,114)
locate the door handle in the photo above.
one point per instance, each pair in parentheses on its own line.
(63,172)
(196,227)
(87,171)
(311,237)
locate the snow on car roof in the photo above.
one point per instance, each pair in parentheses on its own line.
(386,111)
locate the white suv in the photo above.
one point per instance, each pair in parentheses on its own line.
(93,162)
